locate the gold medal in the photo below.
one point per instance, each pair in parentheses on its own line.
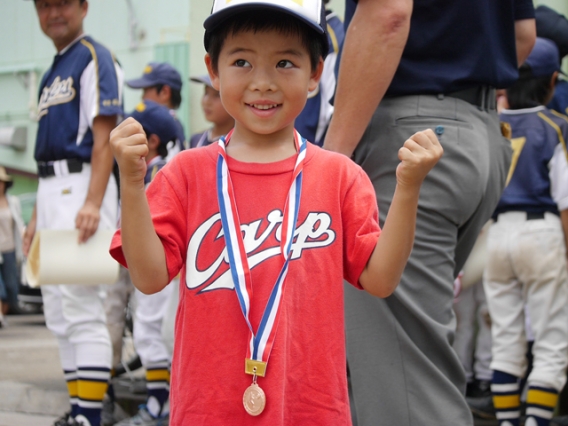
(254,400)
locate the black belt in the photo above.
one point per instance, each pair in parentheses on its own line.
(483,97)
(530,215)
(46,169)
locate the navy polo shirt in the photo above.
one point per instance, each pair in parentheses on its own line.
(458,44)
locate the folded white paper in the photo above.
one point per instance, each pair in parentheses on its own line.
(56,257)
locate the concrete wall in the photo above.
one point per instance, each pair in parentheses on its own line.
(137,31)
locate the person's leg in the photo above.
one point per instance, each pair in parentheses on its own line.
(11,279)
(168,324)
(52,309)
(80,322)
(149,343)
(482,354)
(504,290)
(3,293)
(544,270)
(465,309)
(88,335)
(403,368)
(115,303)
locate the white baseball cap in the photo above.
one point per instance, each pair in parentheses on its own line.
(311,12)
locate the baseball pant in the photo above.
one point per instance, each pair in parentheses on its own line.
(473,348)
(75,313)
(168,324)
(117,299)
(150,312)
(403,369)
(527,265)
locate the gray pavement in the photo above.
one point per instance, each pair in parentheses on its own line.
(32,387)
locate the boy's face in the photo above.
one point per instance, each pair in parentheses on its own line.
(61,20)
(162,97)
(213,108)
(264,79)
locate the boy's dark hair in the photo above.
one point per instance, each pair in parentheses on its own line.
(529,91)
(265,20)
(175,98)
(162,148)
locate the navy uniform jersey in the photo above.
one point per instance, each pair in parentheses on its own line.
(83,82)
(538,178)
(559,101)
(202,139)
(152,168)
(314,119)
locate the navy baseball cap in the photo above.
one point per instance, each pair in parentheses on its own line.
(205,79)
(311,12)
(544,59)
(553,26)
(157,73)
(156,119)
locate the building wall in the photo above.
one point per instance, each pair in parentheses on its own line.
(137,31)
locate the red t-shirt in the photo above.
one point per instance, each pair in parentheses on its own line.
(337,230)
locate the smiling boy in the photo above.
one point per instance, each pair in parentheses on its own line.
(264,228)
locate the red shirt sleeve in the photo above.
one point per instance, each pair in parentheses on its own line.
(361,229)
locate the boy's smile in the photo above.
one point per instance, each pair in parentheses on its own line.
(264,79)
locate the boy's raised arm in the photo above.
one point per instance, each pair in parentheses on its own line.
(385,266)
(141,245)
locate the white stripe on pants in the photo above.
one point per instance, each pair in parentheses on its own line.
(527,265)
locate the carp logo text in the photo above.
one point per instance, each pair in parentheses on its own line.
(315,232)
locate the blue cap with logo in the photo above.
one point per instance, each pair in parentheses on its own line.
(156,119)
(157,73)
(544,59)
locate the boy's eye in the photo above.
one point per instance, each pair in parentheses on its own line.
(285,64)
(241,63)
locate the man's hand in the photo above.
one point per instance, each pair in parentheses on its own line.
(130,147)
(87,221)
(417,157)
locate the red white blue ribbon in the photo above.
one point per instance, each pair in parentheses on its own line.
(260,344)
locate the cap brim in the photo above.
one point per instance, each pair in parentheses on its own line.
(214,20)
(139,83)
(201,79)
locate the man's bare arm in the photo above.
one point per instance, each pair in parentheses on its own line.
(525,36)
(88,217)
(372,50)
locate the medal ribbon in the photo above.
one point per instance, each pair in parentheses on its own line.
(260,344)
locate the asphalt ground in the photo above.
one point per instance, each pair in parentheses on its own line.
(32,387)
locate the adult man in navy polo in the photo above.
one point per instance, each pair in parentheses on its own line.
(79,102)
(446,57)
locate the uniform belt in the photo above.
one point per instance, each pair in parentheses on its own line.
(483,97)
(55,168)
(531,215)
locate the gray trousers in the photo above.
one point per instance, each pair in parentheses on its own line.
(403,370)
